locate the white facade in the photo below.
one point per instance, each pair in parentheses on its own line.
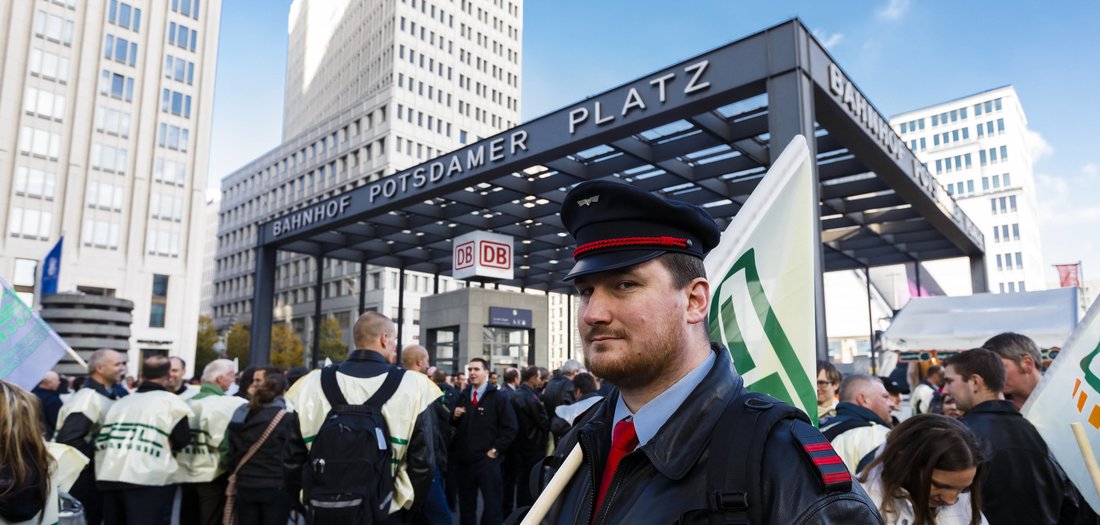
(372,88)
(105,110)
(209,251)
(977,147)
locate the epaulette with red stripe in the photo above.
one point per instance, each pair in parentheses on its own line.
(833,472)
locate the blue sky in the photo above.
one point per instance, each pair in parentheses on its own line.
(903,54)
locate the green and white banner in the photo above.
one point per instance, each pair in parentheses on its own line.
(762,273)
(1070,393)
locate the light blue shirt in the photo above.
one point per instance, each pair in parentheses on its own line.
(653,415)
(480,391)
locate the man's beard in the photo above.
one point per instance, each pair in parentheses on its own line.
(642,364)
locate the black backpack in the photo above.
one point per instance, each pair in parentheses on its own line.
(349,478)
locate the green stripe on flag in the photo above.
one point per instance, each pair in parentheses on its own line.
(773,330)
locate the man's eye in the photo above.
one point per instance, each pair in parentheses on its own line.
(584,292)
(626,285)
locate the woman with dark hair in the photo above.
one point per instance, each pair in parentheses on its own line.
(267,483)
(25,464)
(929,472)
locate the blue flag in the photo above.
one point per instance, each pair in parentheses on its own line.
(51,269)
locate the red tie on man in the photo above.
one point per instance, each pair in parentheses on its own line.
(623,441)
(473,401)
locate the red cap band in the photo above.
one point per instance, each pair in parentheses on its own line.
(640,242)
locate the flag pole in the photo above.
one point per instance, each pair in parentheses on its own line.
(555,487)
(1086,453)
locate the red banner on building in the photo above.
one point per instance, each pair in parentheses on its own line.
(1069,275)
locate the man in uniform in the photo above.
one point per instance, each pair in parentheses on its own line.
(135,457)
(409,415)
(82,416)
(644,302)
(202,463)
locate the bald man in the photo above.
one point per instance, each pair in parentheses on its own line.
(408,412)
(50,399)
(862,418)
(415,358)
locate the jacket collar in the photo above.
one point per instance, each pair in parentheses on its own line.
(854,411)
(996,406)
(683,438)
(99,388)
(149,386)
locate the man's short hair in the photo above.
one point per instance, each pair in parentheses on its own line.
(411,354)
(183,364)
(216,369)
(99,357)
(439,376)
(528,373)
(585,383)
(1013,346)
(830,371)
(933,370)
(510,375)
(570,367)
(155,367)
(981,362)
(369,327)
(854,385)
(484,363)
(683,267)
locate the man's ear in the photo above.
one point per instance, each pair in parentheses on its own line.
(698,300)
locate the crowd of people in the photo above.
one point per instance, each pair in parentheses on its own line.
(966,455)
(165,443)
(659,429)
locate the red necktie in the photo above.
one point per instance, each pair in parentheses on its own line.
(474,400)
(623,441)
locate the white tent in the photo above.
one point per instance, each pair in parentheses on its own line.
(960,323)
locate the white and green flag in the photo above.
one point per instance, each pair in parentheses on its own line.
(762,273)
(1070,393)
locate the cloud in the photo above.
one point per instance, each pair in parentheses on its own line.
(894,10)
(1037,145)
(827,40)
(1090,169)
(1058,203)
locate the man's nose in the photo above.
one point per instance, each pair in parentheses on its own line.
(595,309)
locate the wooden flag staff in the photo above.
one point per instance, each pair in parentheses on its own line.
(555,487)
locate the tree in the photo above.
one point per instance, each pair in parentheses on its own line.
(332,341)
(238,345)
(204,343)
(286,347)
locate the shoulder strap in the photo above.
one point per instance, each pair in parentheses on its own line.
(746,422)
(389,386)
(331,387)
(832,471)
(259,442)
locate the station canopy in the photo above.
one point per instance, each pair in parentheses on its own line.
(703,131)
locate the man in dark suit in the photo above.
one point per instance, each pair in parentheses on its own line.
(485,427)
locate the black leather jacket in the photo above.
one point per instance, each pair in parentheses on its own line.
(1023,483)
(666,477)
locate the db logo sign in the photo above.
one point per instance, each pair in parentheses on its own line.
(483,255)
(464,255)
(496,255)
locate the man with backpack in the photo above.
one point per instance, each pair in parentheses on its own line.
(370,429)
(681,441)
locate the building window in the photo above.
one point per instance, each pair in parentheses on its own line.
(44,103)
(24,279)
(35,183)
(116,86)
(172,137)
(159,301)
(158,242)
(100,234)
(179,69)
(120,50)
(104,196)
(170,172)
(175,103)
(39,143)
(182,36)
(53,28)
(186,8)
(31,224)
(1019,260)
(1016,232)
(108,158)
(48,65)
(124,15)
